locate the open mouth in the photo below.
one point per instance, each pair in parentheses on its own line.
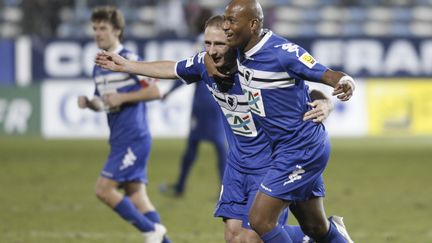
(229,35)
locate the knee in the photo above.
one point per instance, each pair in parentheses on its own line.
(232,235)
(102,193)
(241,235)
(315,230)
(261,223)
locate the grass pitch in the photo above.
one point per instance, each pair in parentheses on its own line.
(381,186)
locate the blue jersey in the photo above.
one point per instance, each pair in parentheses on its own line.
(129,123)
(249,149)
(272,76)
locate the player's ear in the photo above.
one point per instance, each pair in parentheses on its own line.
(254,25)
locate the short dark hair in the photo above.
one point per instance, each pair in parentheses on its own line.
(111,15)
(215,21)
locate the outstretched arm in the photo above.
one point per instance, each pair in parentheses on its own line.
(117,99)
(115,62)
(321,107)
(343,84)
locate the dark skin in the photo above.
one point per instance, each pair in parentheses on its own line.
(243,28)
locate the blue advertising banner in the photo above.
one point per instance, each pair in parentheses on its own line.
(7,62)
(360,57)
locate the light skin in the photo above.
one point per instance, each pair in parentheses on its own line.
(108,38)
(243,27)
(216,47)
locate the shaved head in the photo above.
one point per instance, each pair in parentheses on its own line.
(243,23)
(251,8)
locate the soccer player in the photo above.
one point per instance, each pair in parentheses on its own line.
(272,73)
(122,96)
(249,149)
(205,125)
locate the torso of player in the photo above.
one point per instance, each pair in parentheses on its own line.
(249,147)
(271,76)
(128,122)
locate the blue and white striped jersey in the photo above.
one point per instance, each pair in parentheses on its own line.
(272,76)
(249,148)
(128,123)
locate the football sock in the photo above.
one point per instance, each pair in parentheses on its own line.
(131,214)
(332,236)
(154,217)
(296,234)
(277,235)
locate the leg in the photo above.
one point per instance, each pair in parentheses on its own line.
(106,191)
(137,192)
(313,221)
(263,218)
(235,233)
(186,164)
(311,217)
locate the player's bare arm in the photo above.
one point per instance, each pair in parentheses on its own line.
(321,107)
(343,84)
(145,94)
(117,63)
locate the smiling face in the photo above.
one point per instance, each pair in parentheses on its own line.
(216,44)
(243,23)
(106,36)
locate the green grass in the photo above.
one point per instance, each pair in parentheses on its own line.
(381,186)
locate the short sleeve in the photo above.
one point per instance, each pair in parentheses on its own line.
(190,70)
(299,63)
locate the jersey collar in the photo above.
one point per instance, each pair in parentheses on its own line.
(258,46)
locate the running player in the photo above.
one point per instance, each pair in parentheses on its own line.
(122,96)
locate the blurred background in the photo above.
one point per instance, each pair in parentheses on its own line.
(51,152)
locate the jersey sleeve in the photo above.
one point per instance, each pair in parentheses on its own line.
(191,69)
(299,63)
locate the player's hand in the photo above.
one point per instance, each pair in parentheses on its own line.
(82,101)
(113,99)
(111,61)
(211,67)
(320,110)
(344,89)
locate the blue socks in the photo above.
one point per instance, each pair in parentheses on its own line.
(155,218)
(296,234)
(277,235)
(131,214)
(333,235)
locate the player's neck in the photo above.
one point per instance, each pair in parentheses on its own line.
(254,40)
(113,47)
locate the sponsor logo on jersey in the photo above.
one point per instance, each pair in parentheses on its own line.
(307,60)
(241,124)
(254,100)
(295,175)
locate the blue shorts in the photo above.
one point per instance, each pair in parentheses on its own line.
(297,176)
(237,195)
(128,162)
